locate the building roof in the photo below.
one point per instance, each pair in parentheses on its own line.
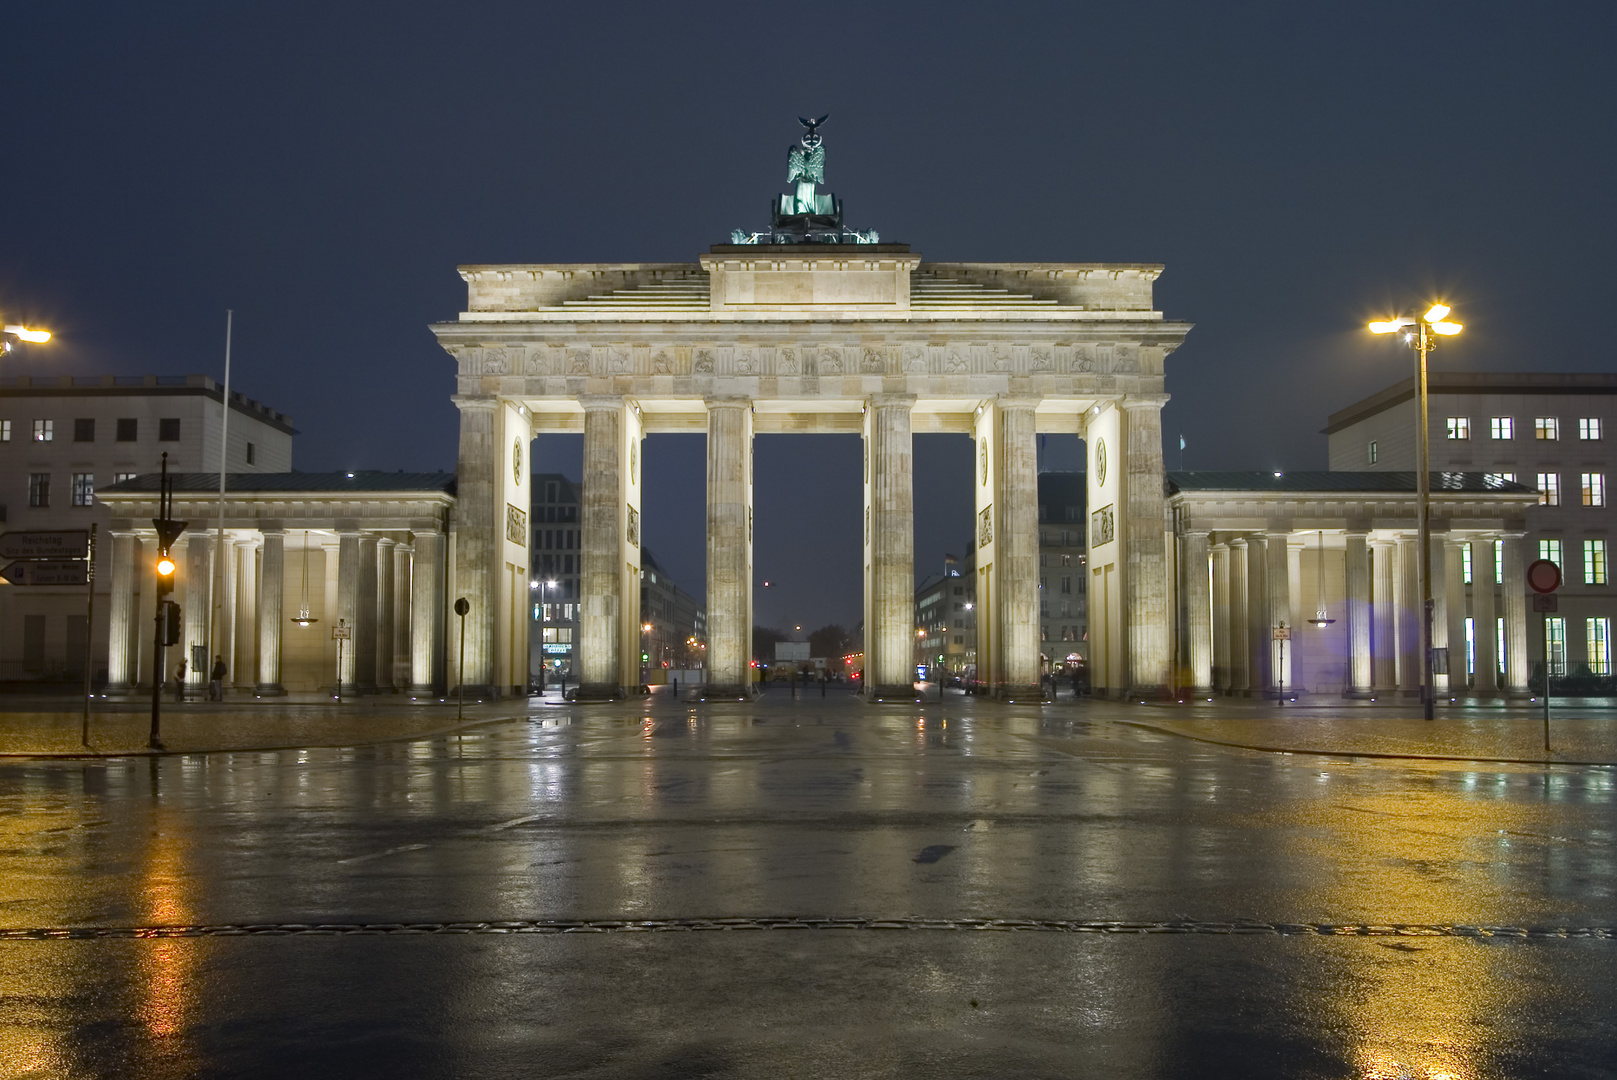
(1473,382)
(143,386)
(360,481)
(1339,482)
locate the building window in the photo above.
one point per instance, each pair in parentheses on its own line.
(1549,489)
(119,478)
(83,489)
(1550,551)
(1375,452)
(252,454)
(1498,562)
(1555,641)
(1546,427)
(1502,427)
(1597,634)
(1066,585)
(1499,645)
(1465,562)
(1459,427)
(1471,646)
(168,430)
(84,430)
(128,428)
(5,430)
(1494,479)
(1594,489)
(44,430)
(1594,562)
(1589,428)
(39,489)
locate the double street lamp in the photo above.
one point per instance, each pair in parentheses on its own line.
(1421,335)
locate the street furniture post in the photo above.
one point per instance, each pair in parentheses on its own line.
(1544,577)
(89,633)
(462,606)
(166,624)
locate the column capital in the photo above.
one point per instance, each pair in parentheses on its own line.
(1144,401)
(466,402)
(1018,401)
(595,402)
(727,401)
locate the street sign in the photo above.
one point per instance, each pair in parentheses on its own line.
(1543,576)
(341,633)
(1547,602)
(1282,633)
(67,544)
(47,572)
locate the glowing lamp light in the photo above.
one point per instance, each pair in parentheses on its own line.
(38,337)
(165,566)
(1437,313)
(1447,329)
(1390,327)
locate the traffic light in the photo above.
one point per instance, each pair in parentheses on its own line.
(165,574)
(171,623)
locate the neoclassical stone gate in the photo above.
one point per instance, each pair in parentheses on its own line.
(815,337)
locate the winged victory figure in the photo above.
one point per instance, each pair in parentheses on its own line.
(805,165)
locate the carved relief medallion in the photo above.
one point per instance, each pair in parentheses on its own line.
(1100,462)
(516,460)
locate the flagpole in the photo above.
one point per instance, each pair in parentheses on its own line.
(216,587)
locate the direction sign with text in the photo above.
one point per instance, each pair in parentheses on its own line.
(47,572)
(67,544)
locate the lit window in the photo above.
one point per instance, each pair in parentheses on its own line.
(44,430)
(1597,635)
(1550,551)
(1555,639)
(1546,427)
(39,489)
(1589,427)
(1499,645)
(83,489)
(1375,452)
(1594,489)
(5,430)
(1494,479)
(1502,427)
(1459,427)
(1465,562)
(121,477)
(1549,489)
(1594,562)
(1498,562)
(1471,646)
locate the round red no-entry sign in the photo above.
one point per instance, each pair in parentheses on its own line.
(1543,576)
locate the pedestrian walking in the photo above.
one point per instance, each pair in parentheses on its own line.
(179,682)
(216,680)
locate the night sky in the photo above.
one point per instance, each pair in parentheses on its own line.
(323,168)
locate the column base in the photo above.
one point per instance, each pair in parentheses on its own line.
(727,692)
(589,693)
(1147,693)
(424,691)
(270,689)
(483,692)
(892,694)
(1028,694)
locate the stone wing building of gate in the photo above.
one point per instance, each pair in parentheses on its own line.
(815,337)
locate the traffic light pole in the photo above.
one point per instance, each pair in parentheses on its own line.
(168,530)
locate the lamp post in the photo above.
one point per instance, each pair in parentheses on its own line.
(1421,334)
(544,588)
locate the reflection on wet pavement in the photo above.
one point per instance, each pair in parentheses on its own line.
(804,810)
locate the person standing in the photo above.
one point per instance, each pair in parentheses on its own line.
(216,679)
(179,682)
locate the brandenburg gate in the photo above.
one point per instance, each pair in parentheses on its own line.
(812,327)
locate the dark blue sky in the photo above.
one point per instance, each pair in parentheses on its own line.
(322,168)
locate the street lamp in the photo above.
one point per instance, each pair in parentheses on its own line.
(1421,335)
(14,333)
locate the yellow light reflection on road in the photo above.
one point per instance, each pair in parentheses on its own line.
(165,967)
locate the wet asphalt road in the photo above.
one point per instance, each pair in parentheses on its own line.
(786,810)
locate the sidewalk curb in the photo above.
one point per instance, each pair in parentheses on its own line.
(1378,754)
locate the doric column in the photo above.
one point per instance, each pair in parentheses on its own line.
(1145,547)
(1409,615)
(244,657)
(1383,604)
(729,549)
(1484,626)
(427,611)
(384,613)
(1221,616)
(602,603)
(223,645)
(348,606)
(271,612)
(1259,643)
(121,630)
(1294,619)
(1198,611)
(198,552)
(364,641)
(402,593)
(1453,568)
(1016,553)
(478,531)
(1279,559)
(1239,636)
(1361,670)
(1514,596)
